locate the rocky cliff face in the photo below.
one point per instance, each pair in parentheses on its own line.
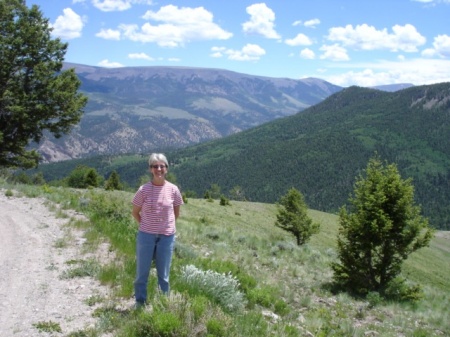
(143,109)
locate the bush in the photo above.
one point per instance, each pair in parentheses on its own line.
(83,177)
(220,288)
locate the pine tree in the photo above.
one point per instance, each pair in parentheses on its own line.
(382,229)
(35,94)
(113,182)
(292,217)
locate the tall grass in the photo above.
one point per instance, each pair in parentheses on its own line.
(282,289)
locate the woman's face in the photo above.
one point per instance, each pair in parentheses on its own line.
(158,169)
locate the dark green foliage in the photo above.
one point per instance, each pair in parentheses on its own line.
(320,150)
(292,217)
(38,179)
(213,192)
(22,178)
(35,95)
(83,177)
(382,228)
(207,195)
(237,193)
(216,328)
(224,201)
(91,179)
(113,182)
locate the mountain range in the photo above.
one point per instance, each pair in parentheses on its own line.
(139,109)
(320,151)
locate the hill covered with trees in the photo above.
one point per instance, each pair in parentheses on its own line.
(320,151)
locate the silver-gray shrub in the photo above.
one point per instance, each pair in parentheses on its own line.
(223,288)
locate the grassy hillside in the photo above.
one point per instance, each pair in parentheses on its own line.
(285,287)
(319,151)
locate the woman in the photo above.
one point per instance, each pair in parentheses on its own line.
(156,207)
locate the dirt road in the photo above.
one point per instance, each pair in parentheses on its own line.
(35,247)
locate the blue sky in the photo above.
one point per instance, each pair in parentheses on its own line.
(345,42)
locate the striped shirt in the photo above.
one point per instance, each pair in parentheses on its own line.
(157,203)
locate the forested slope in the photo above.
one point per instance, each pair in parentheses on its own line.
(321,150)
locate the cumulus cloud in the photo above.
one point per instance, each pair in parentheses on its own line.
(364,37)
(68,26)
(250,52)
(117,5)
(433,1)
(299,40)
(378,73)
(109,34)
(177,27)
(312,23)
(429,52)
(108,64)
(307,54)
(334,53)
(261,21)
(442,45)
(140,56)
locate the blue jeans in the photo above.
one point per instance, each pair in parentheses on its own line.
(151,247)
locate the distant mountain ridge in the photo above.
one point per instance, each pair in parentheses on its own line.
(320,151)
(140,109)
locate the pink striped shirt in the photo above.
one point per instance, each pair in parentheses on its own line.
(157,203)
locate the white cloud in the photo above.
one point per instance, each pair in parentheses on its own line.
(68,26)
(217,52)
(261,21)
(429,52)
(433,1)
(250,52)
(425,71)
(179,26)
(107,64)
(117,5)
(140,56)
(441,48)
(247,53)
(174,59)
(299,40)
(112,5)
(297,23)
(365,37)
(312,23)
(334,53)
(307,54)
(442,45)
(109,34)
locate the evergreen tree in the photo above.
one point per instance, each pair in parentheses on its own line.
(113,182)
(292,217)
(382,229)
(91,178)
(83,177)
(35,94)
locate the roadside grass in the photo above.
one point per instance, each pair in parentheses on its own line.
(284,287)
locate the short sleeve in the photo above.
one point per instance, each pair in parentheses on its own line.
(138,199)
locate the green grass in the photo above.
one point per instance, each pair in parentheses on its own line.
(274,274)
